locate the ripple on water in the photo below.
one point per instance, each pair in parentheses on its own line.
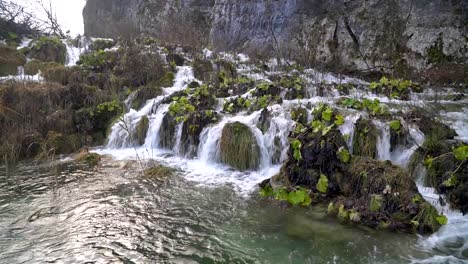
(111,214)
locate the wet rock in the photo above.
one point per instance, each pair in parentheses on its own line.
(144,94)
(177,59)
(264,121)
(429,125)
(238,147)
(365,138)
(167,132)
(300,115)
(356,189)
(141,130)
(192,129)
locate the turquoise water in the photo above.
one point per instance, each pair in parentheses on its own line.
(64,213)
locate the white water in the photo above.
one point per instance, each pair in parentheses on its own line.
(205,169)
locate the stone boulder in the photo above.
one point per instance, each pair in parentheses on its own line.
(238,147)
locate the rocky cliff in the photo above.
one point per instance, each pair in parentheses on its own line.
(403,37)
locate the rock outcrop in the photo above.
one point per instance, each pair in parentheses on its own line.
(366,36)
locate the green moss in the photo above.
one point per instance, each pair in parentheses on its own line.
(91,159)
(145,93)
(59,143)
(98,59)
(365,139)
(141,130)
(158,172)
(34,66)
(300,115)
(167,80)
(238,147)
(48,49)
(101,44)
(10,59)
(57,73)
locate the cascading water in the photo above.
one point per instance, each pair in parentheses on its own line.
(205,168)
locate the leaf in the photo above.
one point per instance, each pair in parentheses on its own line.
(326,130)
(339,120)
(354,217)
(322,184)
(442,219)
(327,114)
(281,195)
(307,201)
(461,153)
(395,125)
(296,197)
(376,202)
(296,145)
(343,155)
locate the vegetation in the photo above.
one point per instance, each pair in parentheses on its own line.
(238,147)
(395,88)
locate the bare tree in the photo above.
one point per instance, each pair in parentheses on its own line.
(51,25)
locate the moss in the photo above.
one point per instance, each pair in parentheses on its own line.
(101,44)
(57,73)
(144,94)
(99,60)
(175,59)
(192,129)
(158,172)
(238,147)
(34,66)
(10,59)
(141,130)
(300,115)
(59,143)
(365,139)
(91,159)
(167,132)
(48,49)
(167,80)
(202,69)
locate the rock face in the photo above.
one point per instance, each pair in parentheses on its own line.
(392,36)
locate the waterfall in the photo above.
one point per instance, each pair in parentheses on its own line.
(383,140)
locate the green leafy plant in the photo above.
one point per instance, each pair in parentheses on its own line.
(395,125)
(322,185)
(343,155)
(181,108)
(296,146)
(339,120)
(376,202)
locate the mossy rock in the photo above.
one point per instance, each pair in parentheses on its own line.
(264,120)
(101,44)
(167,132)
(238,147)
(57,73)
(177,59)
(10,60)
(300,115)
(365,138)
(429,125)
(58,143)
(48,49)
(192,129)
(144,94)
(203,69)
(167,80)
(34,66)
(399,137)
(91,159)
(141,130)
(158,172)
